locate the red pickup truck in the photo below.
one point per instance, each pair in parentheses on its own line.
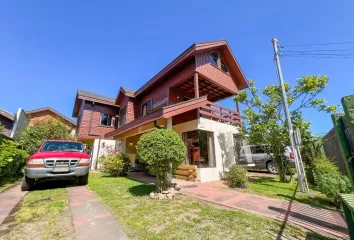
(57,159)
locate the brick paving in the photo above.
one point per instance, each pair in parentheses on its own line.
(312,218)
(91,218)
(8,200)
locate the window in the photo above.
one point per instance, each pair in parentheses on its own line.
(106,120)
(146,108)
(217,60)
(214,59)
(200,148)
(122,116)
(52,146)
(224,66)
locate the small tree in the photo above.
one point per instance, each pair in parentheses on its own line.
(50,129)
(264,116)
(163,151)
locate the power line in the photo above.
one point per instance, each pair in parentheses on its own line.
(321,50)
(317,44)
(315,56)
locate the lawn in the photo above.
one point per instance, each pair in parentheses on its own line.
(183,217)
(43,214)
(273,188)
(8,183)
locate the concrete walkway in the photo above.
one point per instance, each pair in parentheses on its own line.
(91,218)
(9,199)
(312,218)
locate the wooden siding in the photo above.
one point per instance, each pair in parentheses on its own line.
(130,103)
(214,74)
(161,91)
(185,117)
(96,131)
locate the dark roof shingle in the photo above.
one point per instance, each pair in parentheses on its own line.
(94,95)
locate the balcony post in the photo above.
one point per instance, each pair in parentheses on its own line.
(196,85)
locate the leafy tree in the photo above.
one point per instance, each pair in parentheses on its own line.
(49,129)
(163,151)
(264,117)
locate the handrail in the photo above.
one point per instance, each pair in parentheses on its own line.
(221,114)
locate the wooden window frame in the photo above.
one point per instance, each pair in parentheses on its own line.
(220,59)
(142,108)
(120,124)
(108,115)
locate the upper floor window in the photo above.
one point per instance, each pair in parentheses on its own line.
(106,119)
(122,116)
(214,58)
(146,108)
(217,60)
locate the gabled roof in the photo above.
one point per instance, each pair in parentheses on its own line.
(6,114)
(92,97)
(190,52)
(83,93)
(123,91)
(53,111)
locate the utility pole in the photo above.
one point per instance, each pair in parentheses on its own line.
(299,167)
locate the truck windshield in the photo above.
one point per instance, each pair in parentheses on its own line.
(62,147)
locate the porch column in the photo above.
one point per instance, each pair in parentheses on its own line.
(169,123)
(196,85)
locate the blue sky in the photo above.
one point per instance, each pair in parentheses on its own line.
(49,49)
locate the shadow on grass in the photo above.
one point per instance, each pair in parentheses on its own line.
(256,179)
(52,184)
(142,189)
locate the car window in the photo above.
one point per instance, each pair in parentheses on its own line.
(62,147)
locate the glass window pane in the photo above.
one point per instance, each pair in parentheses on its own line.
(214,58)
(146,108)
(224,66)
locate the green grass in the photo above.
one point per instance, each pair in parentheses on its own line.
(8,183)
(40,215)
(183,217)
(273,188)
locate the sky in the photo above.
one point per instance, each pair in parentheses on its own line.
(49,49)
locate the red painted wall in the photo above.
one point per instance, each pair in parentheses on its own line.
(205,68)
(129,103)
(96,129)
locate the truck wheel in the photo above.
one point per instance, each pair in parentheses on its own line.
(272,167)
(83,180)
(27,184)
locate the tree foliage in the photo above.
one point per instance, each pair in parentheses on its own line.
(49,129)
(163,151)
(12,159)
(2,127)
(265,122)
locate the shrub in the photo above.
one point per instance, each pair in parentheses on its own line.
(115,164)
(237,177)
(12,159)
(163,151)
(43,130)
(329,180)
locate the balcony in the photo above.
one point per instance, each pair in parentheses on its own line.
(219,113)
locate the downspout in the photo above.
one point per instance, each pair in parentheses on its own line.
(157,126)
(98,153)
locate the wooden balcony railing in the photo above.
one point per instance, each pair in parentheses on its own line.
(219,113)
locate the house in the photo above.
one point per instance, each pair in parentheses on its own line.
(183,96)
(47,113)
(7,120)
(96,115)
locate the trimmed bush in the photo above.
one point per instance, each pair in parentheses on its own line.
(163,151)
(237,177)
(329,180)
(115,164)
(12,159)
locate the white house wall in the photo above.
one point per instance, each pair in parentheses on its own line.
(223,145)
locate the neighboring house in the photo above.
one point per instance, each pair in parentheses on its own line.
(181,97)
(49,113)
(96,115)
(7,120)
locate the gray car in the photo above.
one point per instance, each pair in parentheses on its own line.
(255,156)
